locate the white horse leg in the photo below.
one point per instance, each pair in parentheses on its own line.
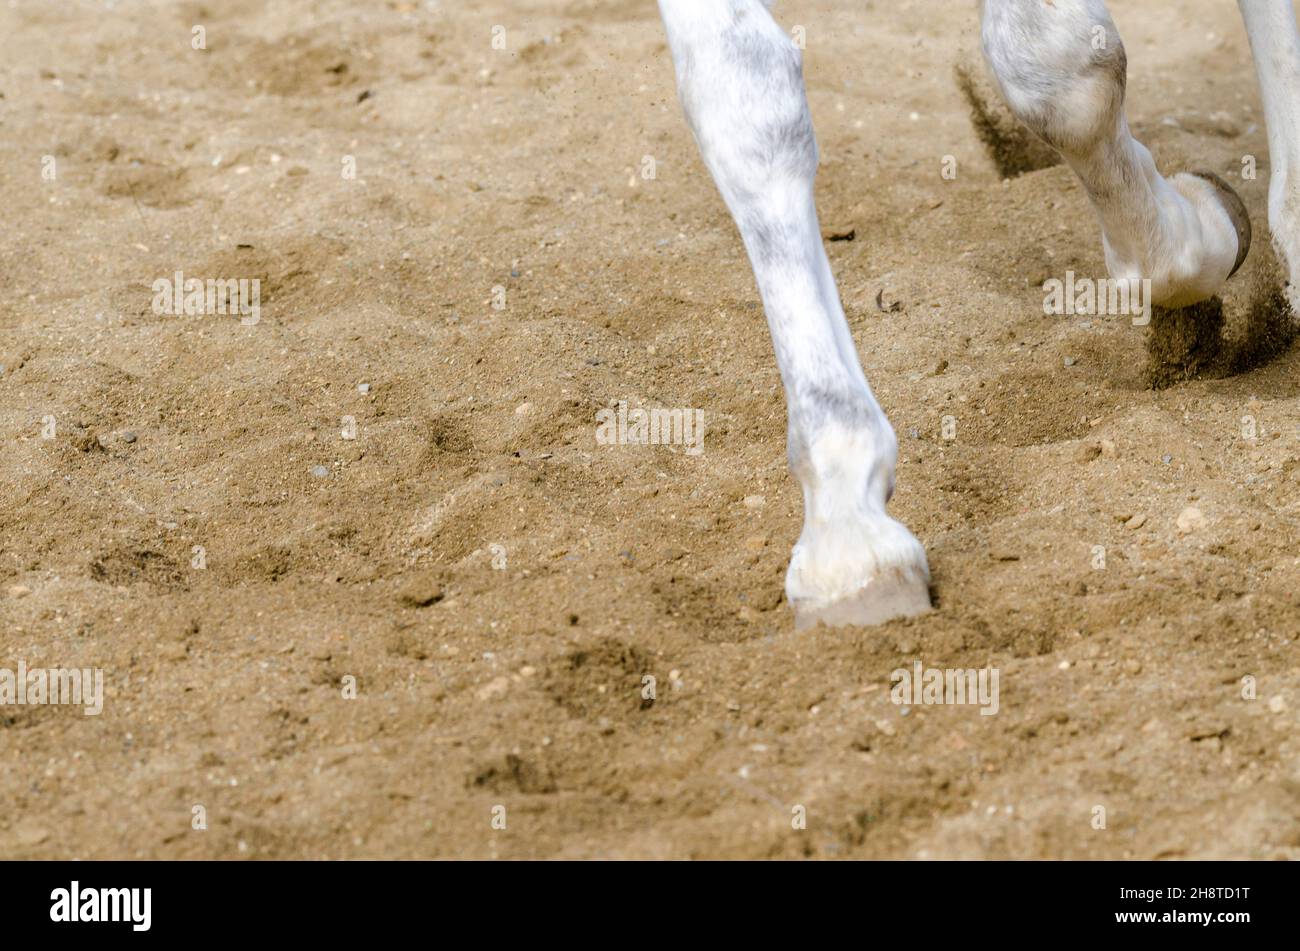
(740,81)
(1062,68)
(1276,46)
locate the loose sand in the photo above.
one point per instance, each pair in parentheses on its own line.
(521,686)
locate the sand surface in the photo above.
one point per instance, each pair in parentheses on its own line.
(517,689)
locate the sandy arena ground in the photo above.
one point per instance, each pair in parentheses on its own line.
(330,562)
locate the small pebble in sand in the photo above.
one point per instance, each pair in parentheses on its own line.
(754,501)
(523,409)
(1070,361)
(1136,522)
(493,688)
(19,591)
(26,834)
(363,387)
(1190,519)
(1277,704)
(319,472)
(128,436)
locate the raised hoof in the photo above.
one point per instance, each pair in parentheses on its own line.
(1236,210)
(897,591)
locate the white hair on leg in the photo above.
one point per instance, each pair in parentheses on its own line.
(1275,43)
(740,81)
(1062,69)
